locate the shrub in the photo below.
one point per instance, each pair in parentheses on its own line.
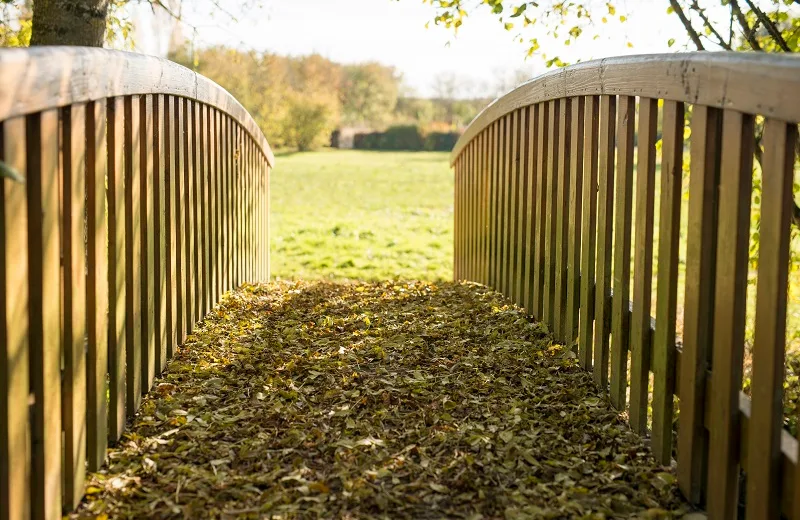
(406,137)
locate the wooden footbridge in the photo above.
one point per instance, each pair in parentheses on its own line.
(135,194)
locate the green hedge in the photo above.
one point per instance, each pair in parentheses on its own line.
(407,137)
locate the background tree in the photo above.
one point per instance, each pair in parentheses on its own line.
(369,93)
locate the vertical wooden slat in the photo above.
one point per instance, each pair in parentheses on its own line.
(15,449)
(97,318)
(133,251)
(574,220)
(147,223)
(161,235)
(531,207)
(502,244)
(267,215)
(208,228)
(540,209)
(166,115)
(187,201)
(561,223)
(605,211)
(470,210)
(699,300)
(457,221)
(178,216)
(474,208)
(198,213)
(769,342)
(226,209)
(45,314)
(237,205)
(554,118)
(213,140)
(733,237)
(249,193)
(643,264)
(73,402)
(511,206)
(493,208)
(588,232)
(117,269)
(498,208)
(667,282)
(522,208)
(485,218)
(623,203)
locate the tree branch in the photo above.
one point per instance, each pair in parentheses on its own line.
(722,43)
(772,29)
(687,24)
(749,33)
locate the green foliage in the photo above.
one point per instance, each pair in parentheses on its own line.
(15,24)
(408,138)
(362,215)
(369,94)
(384,400)
(767,25)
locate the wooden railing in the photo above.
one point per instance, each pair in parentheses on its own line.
(546,182)
(142,198)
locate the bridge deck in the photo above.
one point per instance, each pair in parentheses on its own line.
(363,400)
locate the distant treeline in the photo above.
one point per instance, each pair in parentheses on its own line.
(300,101)
(406,137)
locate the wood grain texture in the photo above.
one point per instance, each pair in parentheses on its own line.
(588,232)
(643,264)
(161,234)
(550,172)
(44,264)
(769,342)
(493,212)
(15,449)
(561,223)
(575,206)
(530,208)
(542,149)
(750,83)
(180,212)
(133,253)
(147,226)
(664,354)
(511,208)
(196,208)
(733,240)
(73,254)
(97,317)
(47,77)
(508,149)
(623,209)
(699,300)
(117,275)
(187,233)
(605,211)
(172,251)
(522,209)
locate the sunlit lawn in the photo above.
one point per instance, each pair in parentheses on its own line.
(342,214)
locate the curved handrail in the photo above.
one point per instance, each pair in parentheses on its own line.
(757,83)
(51,77)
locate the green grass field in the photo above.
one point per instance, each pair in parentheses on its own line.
(362,215)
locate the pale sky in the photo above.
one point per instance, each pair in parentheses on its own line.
(393,32)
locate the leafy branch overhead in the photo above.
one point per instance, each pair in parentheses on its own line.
(761,25)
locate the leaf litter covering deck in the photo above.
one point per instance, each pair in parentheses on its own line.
(385,400)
